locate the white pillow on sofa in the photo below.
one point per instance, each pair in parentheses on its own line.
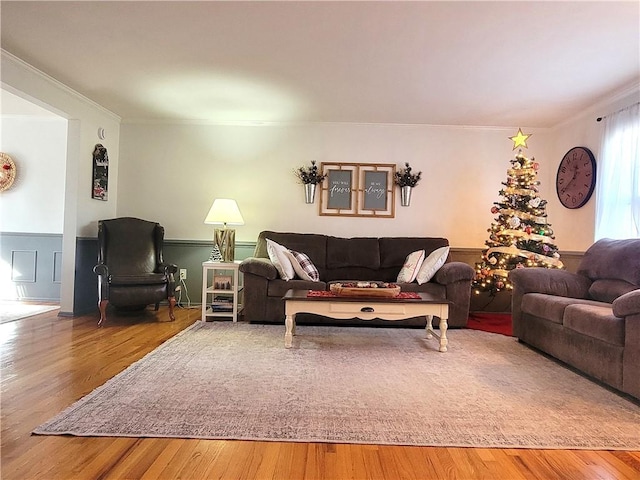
(303,266)
(278,255)
(411,267)
(432,264)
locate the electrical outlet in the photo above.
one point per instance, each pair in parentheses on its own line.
(183,274)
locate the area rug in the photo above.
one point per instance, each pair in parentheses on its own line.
(491,322)
(11,311)
(353,385)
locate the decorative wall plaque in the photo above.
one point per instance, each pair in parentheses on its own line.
(358,190)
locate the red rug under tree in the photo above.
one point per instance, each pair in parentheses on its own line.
(490,322)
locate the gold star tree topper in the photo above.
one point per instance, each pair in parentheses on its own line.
(520,139)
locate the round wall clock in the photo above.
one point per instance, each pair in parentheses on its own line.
(576,178)
(7,172)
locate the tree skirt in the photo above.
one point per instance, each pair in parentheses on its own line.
(491,322)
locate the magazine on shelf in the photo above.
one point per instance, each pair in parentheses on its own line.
(222,308)
(222,304)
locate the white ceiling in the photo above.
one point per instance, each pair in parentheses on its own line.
(493,63)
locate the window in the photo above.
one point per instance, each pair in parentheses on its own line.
(618,176)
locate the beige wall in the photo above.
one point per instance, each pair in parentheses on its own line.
(463,170)
(462,173)
(38,146)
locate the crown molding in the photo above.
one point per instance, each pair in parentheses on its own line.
(281,124)
(7,56)
(602,107)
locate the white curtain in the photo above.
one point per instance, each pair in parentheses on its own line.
(618,176)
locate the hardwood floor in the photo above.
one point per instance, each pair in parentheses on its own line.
(48,362)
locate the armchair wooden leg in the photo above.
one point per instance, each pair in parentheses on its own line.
(172,303)
(102,305)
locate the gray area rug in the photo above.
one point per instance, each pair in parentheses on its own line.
(11,311)
(353,385)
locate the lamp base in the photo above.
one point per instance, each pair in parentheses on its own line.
(225,238)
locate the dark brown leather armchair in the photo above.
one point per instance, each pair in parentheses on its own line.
(131,271)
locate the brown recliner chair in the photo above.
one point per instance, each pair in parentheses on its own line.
(131,271)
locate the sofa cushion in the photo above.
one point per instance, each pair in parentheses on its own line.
(394,250)
(349,274)
(278,255)
(612,259)
(595,321)
(432,264)
(277,288)
(411,267)
(552,307)
(435,289)
(353,252)
(606,290)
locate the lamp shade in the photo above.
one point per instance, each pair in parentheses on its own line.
(224,211)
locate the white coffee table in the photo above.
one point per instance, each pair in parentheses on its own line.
(367,308)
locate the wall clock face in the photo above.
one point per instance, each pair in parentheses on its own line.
(576,177)
(7,172)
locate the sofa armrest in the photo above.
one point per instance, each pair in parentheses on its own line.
(262,267)
(550,281)
(454,272)
(627,304)
(456,277)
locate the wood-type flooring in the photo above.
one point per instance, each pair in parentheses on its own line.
(48,362)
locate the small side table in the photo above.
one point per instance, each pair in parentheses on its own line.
(221,290)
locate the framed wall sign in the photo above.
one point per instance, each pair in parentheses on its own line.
(377,190)
(358,190)
(337,193)
(340,187)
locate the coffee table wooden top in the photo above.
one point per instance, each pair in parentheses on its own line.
(424,298)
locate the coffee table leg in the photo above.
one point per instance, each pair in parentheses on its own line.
(443,335)
(288,336)
(429,328)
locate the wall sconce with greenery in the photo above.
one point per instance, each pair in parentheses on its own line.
(310,177)
(406,180)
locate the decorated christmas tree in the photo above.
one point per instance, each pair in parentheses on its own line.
(520,236)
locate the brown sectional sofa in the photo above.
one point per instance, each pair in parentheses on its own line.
(589,319)
(342,259)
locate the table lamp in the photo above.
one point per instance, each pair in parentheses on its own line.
(225,211)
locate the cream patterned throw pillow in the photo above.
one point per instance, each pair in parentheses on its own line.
(411,267)
(277,254)
(303,266)
(432,264)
